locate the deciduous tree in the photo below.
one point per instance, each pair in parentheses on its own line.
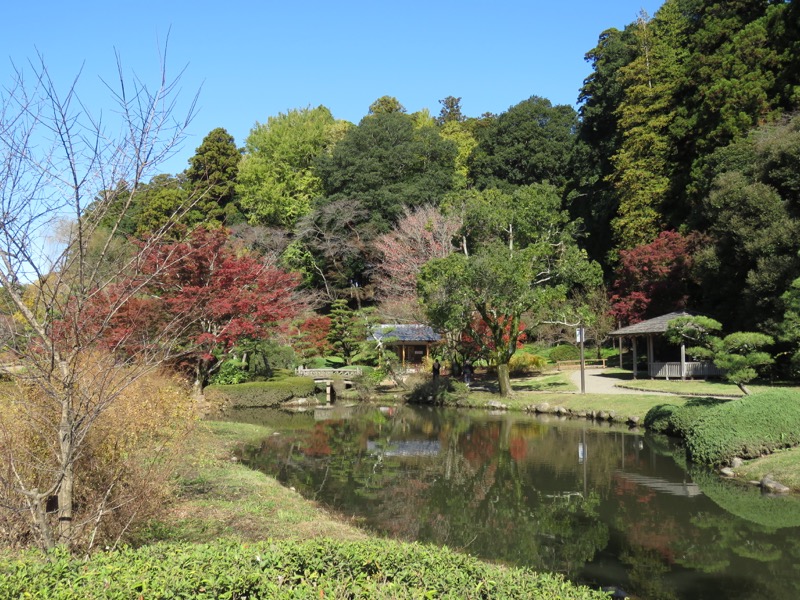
(64,168)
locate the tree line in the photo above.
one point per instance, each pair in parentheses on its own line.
(674,185)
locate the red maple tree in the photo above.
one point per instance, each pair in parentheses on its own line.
(205,300)
(654,278)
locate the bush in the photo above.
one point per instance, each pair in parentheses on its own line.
(565,352)
(260,393)
(677,420)
(277,569)
(231,372)
(522,363)
(444,391)
(747,427)
(125,462)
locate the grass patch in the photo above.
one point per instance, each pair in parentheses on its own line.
(557,382)
(220,498)
(623,404)
(783,466)
(689,387)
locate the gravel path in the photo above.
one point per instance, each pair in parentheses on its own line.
(597,382)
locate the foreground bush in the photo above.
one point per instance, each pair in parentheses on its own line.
(280,569)
(260,393)
(747,427)
(124,468)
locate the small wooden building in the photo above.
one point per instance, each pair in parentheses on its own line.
(653,331)
(411,342)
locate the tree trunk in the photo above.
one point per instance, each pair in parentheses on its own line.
(67,486)
(744,389)
(503,379)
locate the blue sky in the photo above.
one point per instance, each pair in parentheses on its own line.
(252,60)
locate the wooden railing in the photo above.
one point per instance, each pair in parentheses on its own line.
(672,370)
(329,373)
(591,363)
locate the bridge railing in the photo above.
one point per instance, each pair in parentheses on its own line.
(329,373)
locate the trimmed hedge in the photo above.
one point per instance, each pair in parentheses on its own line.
(747,427)
(564,352)
(675,420)
(260,393)
(277,569)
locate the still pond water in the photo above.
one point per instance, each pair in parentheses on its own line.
(604,506)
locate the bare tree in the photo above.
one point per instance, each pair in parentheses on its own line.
(64,169)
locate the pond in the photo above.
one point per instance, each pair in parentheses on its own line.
(604,506)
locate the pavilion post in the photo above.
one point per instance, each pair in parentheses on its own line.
(635,366)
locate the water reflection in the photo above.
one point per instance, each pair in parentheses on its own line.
(604,506)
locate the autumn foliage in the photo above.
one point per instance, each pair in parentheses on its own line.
(202,298)
(653,279)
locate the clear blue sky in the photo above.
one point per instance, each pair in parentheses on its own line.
(252,60)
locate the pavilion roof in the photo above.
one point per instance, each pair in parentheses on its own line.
(652,326)
(406,332)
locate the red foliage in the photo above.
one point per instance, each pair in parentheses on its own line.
(311,336)
(198,296)
(654,278)
(480,341)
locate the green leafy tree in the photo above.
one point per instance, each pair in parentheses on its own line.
(530,143)
(451,111)
(738,354)
(386,105)
(591,191)
(521,271)
(276,181)
(751,216)
(211,176)
(388,164)
(641,175)
(163,202)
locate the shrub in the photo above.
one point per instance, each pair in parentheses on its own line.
(522,363)
(260,393)
(125,463)
(747,427)
(565,352)
(278,569)
(231,372)
(658,418)
(677,420)
(444,391)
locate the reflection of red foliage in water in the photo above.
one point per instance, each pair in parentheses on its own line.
(518,448)
(480,445)
(647,528)
(317,442)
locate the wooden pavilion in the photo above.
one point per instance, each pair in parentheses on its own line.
(411,342)
(653,331)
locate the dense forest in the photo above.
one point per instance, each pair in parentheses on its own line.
(674,185)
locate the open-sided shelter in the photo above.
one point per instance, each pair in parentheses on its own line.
(653,331)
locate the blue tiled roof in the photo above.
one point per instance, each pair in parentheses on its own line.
(406,333)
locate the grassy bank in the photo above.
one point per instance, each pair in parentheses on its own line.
(218,497)
(236,533)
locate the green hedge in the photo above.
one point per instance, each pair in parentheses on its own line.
(675,420)
(260,393)
(747,427)
(276,569)
(564,352)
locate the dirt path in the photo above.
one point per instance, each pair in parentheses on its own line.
(598,382)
